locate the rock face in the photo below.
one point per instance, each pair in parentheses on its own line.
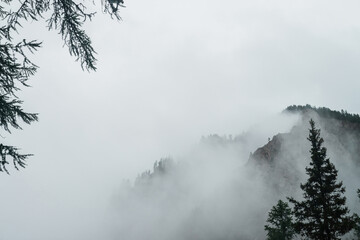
(286,155)
(269,152)
(336,129)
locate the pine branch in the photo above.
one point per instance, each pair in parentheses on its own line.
(11,111)
(15,66)
(12,152)
(69,17)
(112,7)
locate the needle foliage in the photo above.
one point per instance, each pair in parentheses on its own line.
(322,214)
(65,16)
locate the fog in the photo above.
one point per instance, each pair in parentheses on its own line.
(212,190)
(76,198)
(215,192)
(169,74)
(208,193)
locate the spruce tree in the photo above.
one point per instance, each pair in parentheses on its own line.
(322,214)
(280,222)
(357,219)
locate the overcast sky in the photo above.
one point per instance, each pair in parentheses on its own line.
(169,73)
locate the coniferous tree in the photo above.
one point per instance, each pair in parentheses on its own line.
(357,219)
(322,215)
(280,222)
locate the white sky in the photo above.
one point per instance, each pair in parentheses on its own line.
(169,73)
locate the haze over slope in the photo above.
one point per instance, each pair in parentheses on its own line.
(216,192)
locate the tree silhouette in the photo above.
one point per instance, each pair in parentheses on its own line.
(322,215)
(357,219)
(16,68)
(280,222)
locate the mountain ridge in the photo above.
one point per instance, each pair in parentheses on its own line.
(335,123)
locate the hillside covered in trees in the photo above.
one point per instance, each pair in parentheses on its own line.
(324,112)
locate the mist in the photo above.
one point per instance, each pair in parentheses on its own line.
(216,192)
(73,197)
(206,193)
(212,190)
(171,74)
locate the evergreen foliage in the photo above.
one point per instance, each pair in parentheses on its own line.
(357,219)
(161,167)
(16,68)
(326,112)
(322,215)
(10,112)
(280,222)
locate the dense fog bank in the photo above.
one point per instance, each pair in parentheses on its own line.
(218,192)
